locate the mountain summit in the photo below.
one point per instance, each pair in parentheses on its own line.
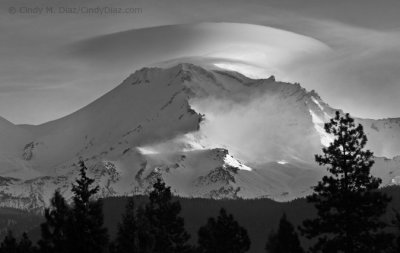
(206,132)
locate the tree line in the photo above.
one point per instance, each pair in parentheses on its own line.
(348,203)
(155,227)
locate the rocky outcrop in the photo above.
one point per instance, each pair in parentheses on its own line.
(28,151)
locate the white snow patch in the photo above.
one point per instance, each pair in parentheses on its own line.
(229,160)
(326,139)
(326,116)
(147,151)
(317,103)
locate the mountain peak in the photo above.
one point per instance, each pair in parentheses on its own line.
(207,132)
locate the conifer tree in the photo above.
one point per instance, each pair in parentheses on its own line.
(348,203)
(223,234)
(134,233)
(285,240)
(127,236)
(145,237)
(86,233)
(25,245)
(9,244)
(164,227)
(54,229)
(396,223)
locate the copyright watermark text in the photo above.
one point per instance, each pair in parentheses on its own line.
(79,10)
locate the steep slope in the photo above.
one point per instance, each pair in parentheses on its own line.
(207,132)
(382,134)
(12,138)
(135,112)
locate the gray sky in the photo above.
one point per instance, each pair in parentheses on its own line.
(53,64)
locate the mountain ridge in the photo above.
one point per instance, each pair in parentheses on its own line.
(207,132)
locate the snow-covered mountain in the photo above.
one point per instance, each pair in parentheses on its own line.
(207,132)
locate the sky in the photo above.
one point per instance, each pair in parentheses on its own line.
(52,64)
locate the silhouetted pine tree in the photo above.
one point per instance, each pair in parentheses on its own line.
(285,240)
(9,244)
(396,223)
(53,230)
(25,245)
(163,223)
(223,234)
(127,236)
(145,236)
(349,207)
(86,233)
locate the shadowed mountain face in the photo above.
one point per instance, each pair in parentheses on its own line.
(207,132)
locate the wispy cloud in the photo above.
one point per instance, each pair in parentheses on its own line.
(360,73)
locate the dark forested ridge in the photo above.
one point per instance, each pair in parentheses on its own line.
(258,216)
(17,220)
